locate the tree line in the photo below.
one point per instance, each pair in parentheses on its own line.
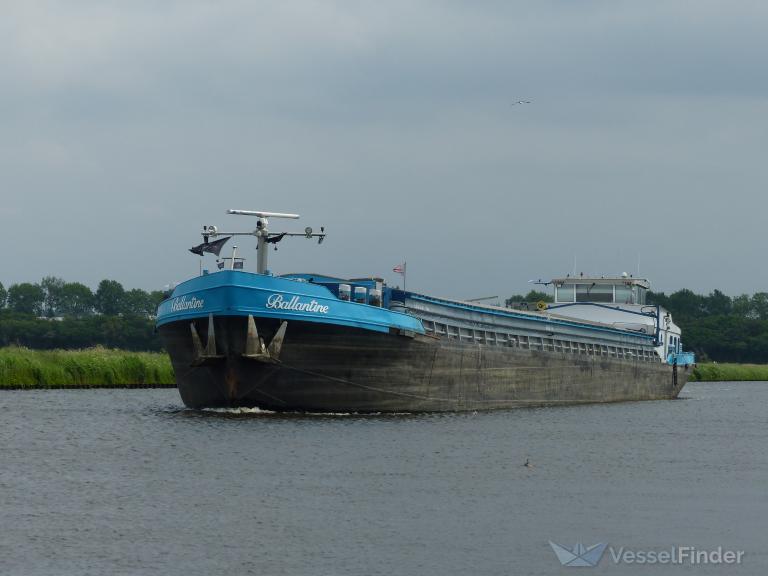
(691,306)
(720,327)
(58,314)
(53,297)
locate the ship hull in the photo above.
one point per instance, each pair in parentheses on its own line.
(327,368)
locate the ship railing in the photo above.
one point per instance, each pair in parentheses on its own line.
(542,343)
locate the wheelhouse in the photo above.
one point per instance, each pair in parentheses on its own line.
(603,290)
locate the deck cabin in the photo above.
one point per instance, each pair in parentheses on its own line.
(620,301)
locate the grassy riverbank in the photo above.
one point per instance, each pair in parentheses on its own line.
(90,368)
(729,372)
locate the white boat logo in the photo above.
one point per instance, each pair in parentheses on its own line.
(579,555)
(180,304)
(276,301)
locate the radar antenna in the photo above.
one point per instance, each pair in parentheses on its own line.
(262,233)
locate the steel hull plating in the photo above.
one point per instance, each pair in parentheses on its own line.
(326,368)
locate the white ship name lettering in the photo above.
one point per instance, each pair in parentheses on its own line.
(179,304)
(277,301)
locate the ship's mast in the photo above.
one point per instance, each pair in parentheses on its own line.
(263,236)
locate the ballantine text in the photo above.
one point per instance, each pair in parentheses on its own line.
(182,303)
(277,301)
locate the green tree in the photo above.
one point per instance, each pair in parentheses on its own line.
(532,297)
(110,297)
(653,298)
(742,306)
(52,289)
(536,296)
(686,304)
(760,305)
(26,298)
(3,296)
(77,300)
(718,304)
(156,297)
(137,302)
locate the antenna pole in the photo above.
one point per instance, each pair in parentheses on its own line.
(262,234)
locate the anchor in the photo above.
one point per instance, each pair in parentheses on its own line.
(255,348)
(207,355)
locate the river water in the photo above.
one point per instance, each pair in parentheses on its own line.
(130,482)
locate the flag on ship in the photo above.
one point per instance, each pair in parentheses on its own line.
(401,269)
(212,247)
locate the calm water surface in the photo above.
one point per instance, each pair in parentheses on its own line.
(130,482)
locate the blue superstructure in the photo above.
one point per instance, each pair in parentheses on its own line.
(238,293)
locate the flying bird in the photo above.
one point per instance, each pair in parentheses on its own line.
(521,102)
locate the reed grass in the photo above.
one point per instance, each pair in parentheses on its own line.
(729,372)
(91,368)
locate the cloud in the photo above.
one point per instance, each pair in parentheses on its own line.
(129,125)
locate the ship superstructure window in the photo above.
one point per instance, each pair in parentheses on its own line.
(607,290)
(565,293)
(594,292)
(629,294)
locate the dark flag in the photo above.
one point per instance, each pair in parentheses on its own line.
(275,238)
(220,265)
(212,247)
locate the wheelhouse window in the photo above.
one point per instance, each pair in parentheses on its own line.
(626,294)
(565,293)
(594,292)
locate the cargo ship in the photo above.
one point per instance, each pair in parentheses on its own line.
(316,343)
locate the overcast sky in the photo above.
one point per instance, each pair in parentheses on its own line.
(125,126)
